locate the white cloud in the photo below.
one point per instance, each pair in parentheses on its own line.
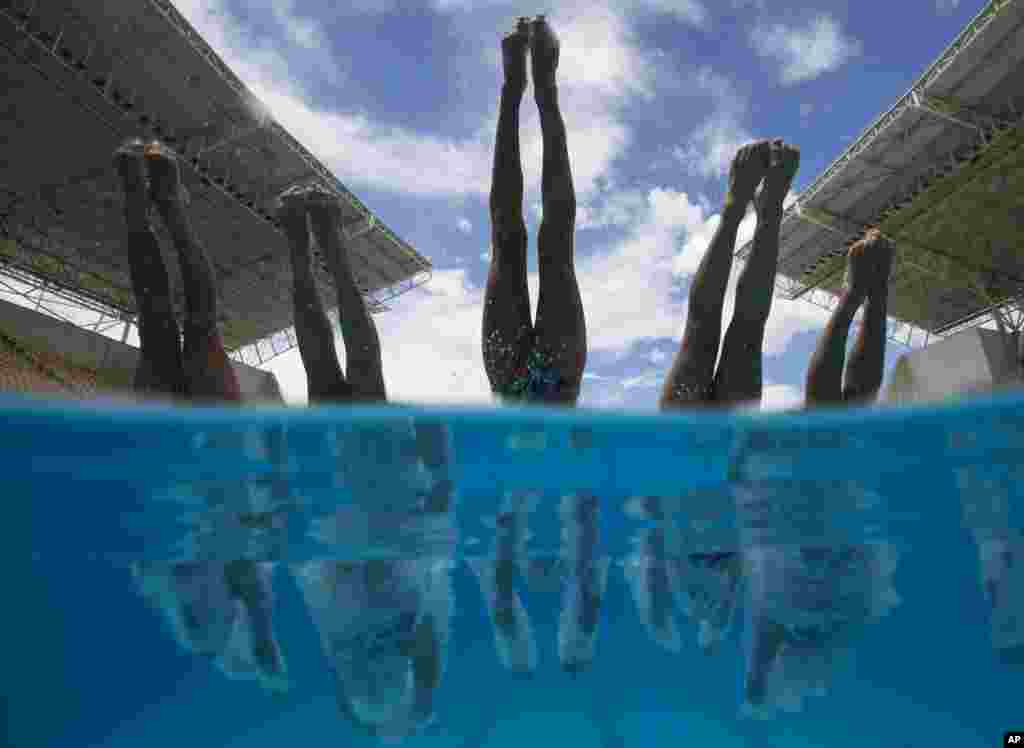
(358,149)
(699,237)
(602,67)
(611,208)
(781,397)
(304,32)
(424,360)
(709,149)
(648,378)
(805,52)
(776,397)
(464,225)
(599,52)
(431,343)
(688,11)
(946,6)
(628,290)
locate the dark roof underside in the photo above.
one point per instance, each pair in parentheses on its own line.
(76,83)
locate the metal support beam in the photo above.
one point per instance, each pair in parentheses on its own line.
(237,134)
(1011,310)
(362,227)
(43,297)
(919,101)
(896,331)
(834,222)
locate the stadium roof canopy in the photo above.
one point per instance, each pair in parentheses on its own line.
(80,77)
(942,173)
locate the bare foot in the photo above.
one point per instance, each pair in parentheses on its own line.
(513,56)
(295,203)
(544,48)
(324,210)
(783,162)
(291,214)
(164,175)
(325,215)
(748,169)
(870,262)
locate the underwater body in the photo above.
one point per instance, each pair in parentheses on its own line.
(475,577)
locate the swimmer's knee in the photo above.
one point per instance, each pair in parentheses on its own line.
(509,234)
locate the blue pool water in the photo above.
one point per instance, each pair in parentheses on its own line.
(884,548)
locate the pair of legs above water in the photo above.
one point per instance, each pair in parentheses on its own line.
(312,212)
(870,263)
(542,360)
(693,379)
(199,369)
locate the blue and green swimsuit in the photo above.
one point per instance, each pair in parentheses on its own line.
(537,380)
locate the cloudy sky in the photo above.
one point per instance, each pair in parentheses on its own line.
(399,99)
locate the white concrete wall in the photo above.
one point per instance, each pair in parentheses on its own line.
(113,359)
(972,361)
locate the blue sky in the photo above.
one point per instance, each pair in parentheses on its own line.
(399,99)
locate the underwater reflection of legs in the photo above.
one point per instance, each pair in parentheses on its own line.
(222,611)
(253,650)
(806,608)
(709,585)
(667,572)
(584,584)
(384,631)
(1002,577)
(194,598)
(987,495)
(513,632)
(654,584)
